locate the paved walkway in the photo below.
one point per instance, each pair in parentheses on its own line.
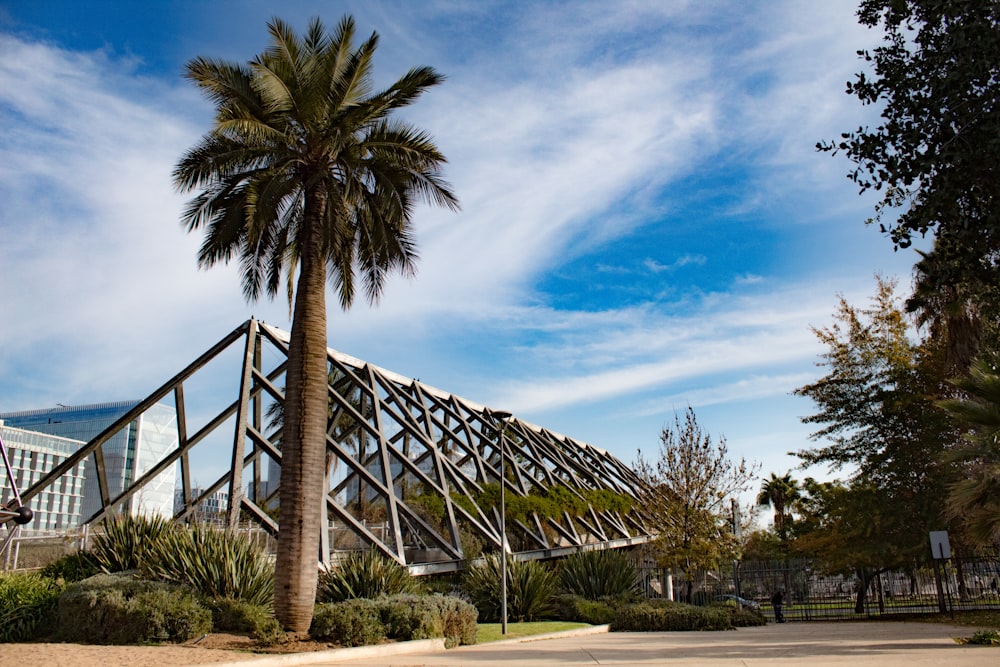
(877,644)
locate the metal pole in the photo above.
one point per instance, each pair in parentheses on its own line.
(503,533)
(502,418)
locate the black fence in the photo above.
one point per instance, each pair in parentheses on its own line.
(809,594)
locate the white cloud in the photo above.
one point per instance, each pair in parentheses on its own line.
(566,132)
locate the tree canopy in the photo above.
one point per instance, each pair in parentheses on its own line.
(934,158)
(975,495)
(879,422)
(689,490)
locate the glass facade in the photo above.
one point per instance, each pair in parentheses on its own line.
(31,455)
(128,454)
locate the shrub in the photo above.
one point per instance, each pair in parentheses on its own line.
(354,622)
(530,589)
(117,609)
(598,575)
(743,617)
(364,575)
(575,608)
(660,616)
(71,567)
(982,637)
(216,563)
(458,619)
(28,604)
(125,540)
(230,615)
(408,617)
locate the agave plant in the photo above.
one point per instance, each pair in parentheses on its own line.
(364,575)
(598,575)
(125,541)
(216,563)
(531,588)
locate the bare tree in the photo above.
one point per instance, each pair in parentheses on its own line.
(690,489)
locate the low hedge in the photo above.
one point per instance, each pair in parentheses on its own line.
(401,617)
(658,616)
(576,608)
(119,609)
(354,622)
(425,616)
(742,617)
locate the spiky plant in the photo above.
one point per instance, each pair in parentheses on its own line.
(598,575)
(531,588)
(364,575)
(126,539)
(216,563)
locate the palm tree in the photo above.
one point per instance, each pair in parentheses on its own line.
(781,494)
(976,496)
(306,170)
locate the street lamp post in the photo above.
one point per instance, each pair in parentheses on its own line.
(502,418)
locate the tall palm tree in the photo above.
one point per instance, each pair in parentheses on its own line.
(781,494)
(976,496)
(306,170)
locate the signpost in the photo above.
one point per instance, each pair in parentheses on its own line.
(941,551)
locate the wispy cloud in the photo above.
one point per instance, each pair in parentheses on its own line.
(569,127)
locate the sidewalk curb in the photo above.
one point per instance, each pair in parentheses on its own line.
(578,632)
(384,650)
(320,657)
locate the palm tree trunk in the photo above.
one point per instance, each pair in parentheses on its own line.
(304,436)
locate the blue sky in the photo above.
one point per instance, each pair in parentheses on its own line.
(645,222)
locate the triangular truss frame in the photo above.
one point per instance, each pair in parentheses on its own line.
(423,462)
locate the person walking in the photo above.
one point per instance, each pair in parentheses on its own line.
(777,603)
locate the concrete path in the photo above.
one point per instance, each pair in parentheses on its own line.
(876,644)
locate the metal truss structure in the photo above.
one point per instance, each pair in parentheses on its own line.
(14,513)
(413,471)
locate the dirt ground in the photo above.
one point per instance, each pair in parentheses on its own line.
(213,648)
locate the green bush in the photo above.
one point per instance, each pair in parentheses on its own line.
(570,607)
(216,563)
(119,609)
(364,575)
(658,616)
(742,617)
(403,617)
(230,615)
(458,619)
(354,622)
(407,617)
(126,539)
(599,575)
(71,567)
(530,589)
(28,604)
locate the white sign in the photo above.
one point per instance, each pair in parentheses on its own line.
(940,547)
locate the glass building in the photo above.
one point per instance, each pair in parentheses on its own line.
(128,454)
(31,455)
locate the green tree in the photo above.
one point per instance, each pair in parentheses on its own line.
(934,156)
(780,494)
(306,170)
(879,421)
(851,531)
(975,496)
(689,490)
